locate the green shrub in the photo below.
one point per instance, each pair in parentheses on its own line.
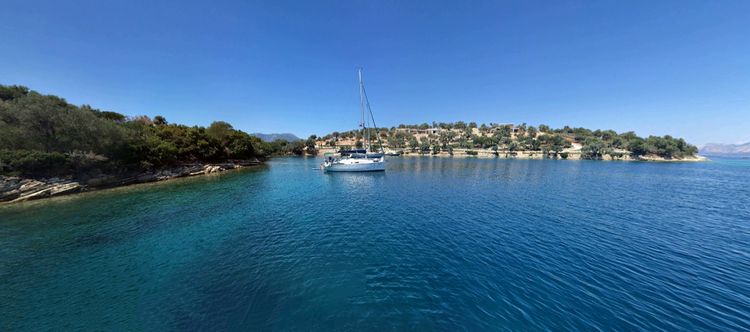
(34,163)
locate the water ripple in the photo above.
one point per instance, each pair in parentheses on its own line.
(432,244)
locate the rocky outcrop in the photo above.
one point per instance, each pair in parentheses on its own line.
(17,189)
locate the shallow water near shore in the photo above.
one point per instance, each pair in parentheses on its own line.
(431,244)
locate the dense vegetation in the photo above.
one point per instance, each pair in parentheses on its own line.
(43,135)
(282,147)
(510,138)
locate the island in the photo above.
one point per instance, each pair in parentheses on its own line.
(507,140)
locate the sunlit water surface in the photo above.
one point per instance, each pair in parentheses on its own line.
(431,244)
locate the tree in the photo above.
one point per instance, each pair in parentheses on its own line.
(513,146)
(424,147)
(557,144)
(218,130)
(522,129)
(504,131)
(534,144)
(112,116)
(394,141)
(413,144)
(310,146)
(241,145)
(531,131)
(10,92)
(607,135)
(298,147)
(160,120)
(594,148)
(465,143)
(446,137)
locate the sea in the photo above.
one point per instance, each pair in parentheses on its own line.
(432,244)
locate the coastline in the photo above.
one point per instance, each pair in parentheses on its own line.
(540,156)
(17,189)
(569,154)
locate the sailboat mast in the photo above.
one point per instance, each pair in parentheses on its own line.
(367,113)
(362,106)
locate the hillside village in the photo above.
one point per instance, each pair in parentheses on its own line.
(507,140)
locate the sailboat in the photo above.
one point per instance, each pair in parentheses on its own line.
(360,160)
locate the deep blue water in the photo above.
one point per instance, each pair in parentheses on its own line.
(432,244)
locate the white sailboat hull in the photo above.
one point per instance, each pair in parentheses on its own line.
(364,165)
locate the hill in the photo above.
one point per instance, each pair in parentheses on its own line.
(274,137)
(726,149)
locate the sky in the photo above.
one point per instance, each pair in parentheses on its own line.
(655,67)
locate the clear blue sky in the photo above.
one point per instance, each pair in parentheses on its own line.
(656,67)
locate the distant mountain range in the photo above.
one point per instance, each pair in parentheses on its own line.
(274,137)
(736,149)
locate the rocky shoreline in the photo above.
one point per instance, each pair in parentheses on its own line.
(573,153)
(568,155)
(17,189)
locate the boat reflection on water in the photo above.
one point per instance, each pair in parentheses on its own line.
(356,181)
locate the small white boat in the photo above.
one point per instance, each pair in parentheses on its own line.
(362,160)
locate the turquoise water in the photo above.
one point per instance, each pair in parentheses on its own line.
(432,244)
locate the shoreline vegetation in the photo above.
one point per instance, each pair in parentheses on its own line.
(49,147)
(461,139)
